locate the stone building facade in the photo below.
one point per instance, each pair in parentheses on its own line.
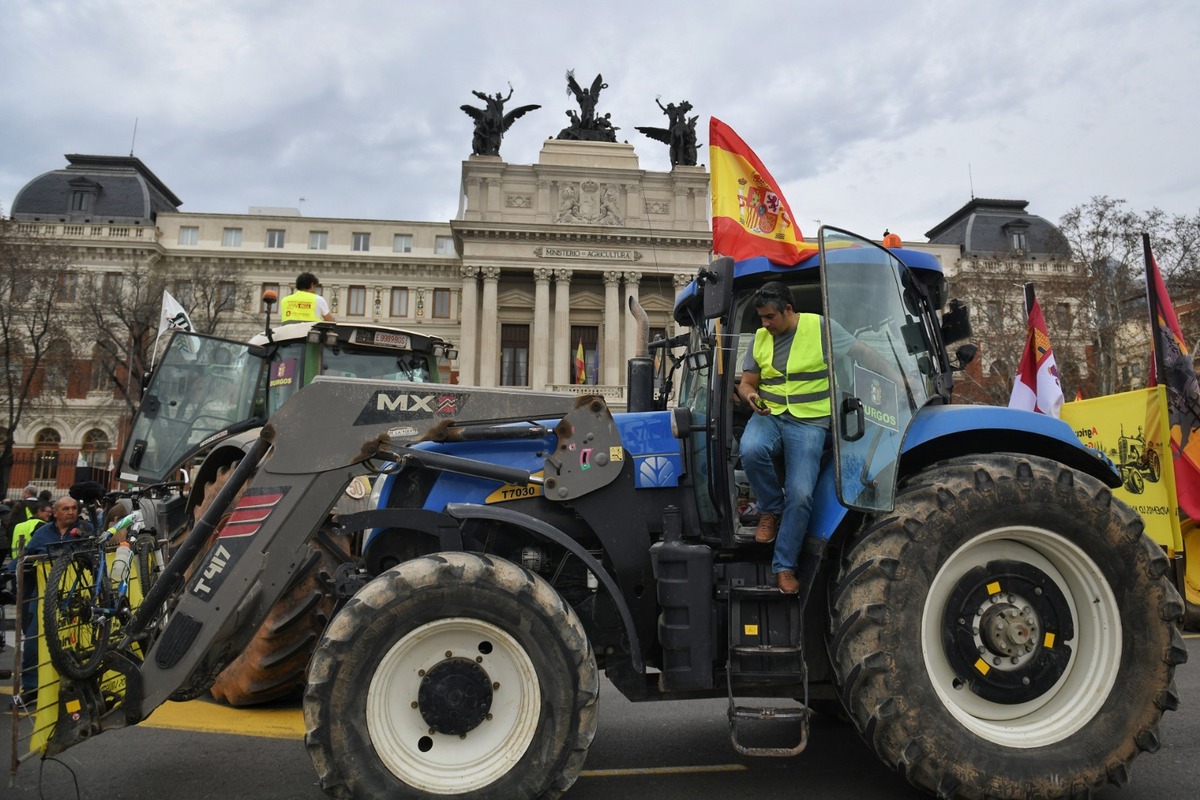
(540,262)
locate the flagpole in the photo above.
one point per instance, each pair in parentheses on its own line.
(1156,342)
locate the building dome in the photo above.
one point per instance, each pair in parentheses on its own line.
(1000,228)
(117,190)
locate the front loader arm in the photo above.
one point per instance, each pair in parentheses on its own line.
(322,437)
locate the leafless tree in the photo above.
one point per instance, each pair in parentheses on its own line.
(211,295)
(35,354)
(1105,239)
(119,313)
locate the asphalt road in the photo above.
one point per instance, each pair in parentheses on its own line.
(668,751)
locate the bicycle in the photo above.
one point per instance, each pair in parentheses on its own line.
(84,607)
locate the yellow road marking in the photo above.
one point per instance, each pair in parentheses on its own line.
(620,773)
(201,715)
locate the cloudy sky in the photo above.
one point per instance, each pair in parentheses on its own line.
(870,114)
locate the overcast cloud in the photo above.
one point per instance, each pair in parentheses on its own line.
(870,114)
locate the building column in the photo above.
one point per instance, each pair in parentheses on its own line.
(469,331)
(489,331)
(632,334)
(678,281)
(611,330)
(539,344)
(560,370)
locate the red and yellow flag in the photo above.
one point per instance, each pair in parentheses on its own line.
(750,215)
(580,365)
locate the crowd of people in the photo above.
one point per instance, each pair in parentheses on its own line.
(36,524)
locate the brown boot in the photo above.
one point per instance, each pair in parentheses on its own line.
(787,583)
(768,526)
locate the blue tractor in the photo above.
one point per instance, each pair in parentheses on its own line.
(973,598)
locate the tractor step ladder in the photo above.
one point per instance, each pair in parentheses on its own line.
(777,657)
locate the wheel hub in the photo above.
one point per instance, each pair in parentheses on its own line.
(455,696)
(1006,632)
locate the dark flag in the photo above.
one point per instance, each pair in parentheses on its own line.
(1173,368)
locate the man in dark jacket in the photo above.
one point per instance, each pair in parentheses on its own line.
(60,532)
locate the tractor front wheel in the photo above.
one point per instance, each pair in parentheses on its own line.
(452,675)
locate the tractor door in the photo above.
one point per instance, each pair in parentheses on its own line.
(877,370)
(203,390)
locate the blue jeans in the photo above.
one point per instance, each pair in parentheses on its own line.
(801,444)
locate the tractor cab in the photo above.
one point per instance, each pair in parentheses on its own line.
(893,363)
(206,389)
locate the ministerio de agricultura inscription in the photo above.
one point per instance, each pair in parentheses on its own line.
(587,253)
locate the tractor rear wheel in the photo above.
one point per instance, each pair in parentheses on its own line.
(1008,632)
(452,674)
(273,664)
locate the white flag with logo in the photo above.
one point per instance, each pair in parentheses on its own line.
(173,316)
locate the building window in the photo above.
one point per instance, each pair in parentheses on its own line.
(995,315)
(183,293)
(399,306)
(68,287)
(231,237)
(443,245)
(45,455)
(441,303)
(402,243)
(111,292)
(94,452)
(318,240)
(360,242)
(270,287)
(189,234)
(514,355)
(275,237)
(356,301)
(1062,315)
(584,336)
(102,369)
(225,295)
(1018,241)
(79,201)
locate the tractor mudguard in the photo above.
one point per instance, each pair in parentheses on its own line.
(991,429)
(941,432)
(544,530)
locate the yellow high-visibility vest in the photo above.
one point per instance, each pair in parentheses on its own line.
(299,307)
(799,386)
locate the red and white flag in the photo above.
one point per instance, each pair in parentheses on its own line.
(1036,387)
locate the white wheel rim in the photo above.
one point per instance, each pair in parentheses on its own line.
(1091,671)
(446,764)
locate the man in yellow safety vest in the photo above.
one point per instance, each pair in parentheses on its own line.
(304,304)
(785,380)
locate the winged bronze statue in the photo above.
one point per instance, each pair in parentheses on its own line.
(679,135)
(491,122)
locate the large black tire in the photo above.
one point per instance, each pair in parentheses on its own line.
(273,664)
(453,674)
(993,560)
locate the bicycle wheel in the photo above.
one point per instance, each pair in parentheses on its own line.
(76,631)
(149,562)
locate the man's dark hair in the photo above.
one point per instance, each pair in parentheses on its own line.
(773,294)
(306,281)
(45,505)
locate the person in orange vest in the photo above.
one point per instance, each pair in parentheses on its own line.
(304,304)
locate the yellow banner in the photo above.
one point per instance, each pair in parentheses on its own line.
(1131,429)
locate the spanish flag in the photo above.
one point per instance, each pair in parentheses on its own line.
(580,365)
(750,215)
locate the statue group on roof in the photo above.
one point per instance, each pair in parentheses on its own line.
(491,122)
